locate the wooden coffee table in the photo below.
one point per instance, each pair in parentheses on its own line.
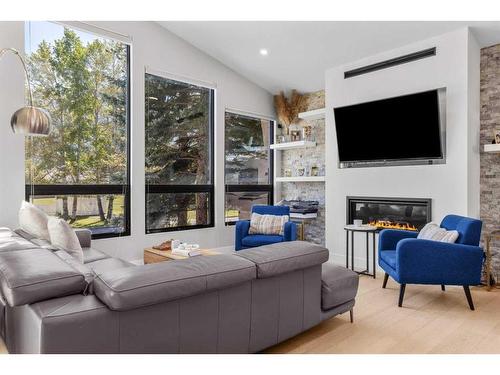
(155,256)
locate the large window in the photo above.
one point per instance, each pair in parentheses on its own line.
(248,165)
(179,155)
(80,171)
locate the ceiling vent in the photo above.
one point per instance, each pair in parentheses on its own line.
(391,62)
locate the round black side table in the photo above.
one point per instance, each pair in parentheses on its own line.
(368,229)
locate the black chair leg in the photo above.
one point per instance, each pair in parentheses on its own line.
(351,315)
(469,297)
(386,277)
(442,288)
(401,294)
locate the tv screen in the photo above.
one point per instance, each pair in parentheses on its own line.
(401,128)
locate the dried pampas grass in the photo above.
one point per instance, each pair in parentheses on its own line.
(288,111)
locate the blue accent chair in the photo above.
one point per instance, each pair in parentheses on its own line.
(244,240)
(409,260)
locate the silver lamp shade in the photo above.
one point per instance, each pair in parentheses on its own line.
(30,121)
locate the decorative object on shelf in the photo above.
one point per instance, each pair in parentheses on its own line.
(307,133)
(281,138)
(28,120)
(295,135)
(301,171)
(288,110)
(166,245)
(496,139)
(287,173)
(314,171)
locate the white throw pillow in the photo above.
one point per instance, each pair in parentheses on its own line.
(64,237)
(434,232)
(33,220)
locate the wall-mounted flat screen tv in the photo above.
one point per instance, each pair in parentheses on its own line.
(407,128)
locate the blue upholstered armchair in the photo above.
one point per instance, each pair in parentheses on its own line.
(409,260)
(244,240)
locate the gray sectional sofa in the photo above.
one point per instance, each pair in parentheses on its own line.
(239,303)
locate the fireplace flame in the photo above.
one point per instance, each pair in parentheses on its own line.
(387,224)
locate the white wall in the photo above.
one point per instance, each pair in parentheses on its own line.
(155,47)
(455,67)
(11,146)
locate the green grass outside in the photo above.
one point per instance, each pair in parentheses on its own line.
(86,221)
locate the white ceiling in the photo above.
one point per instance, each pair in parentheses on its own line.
(300,52)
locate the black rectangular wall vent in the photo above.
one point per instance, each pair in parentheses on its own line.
(391,62)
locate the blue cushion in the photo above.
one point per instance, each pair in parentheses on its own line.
(254,240)
(389,256)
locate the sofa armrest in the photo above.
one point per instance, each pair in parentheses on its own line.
(434,262)
(389,238)
(84,236)
(290,231)
(241,231)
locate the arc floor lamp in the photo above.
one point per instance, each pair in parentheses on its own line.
(28,120)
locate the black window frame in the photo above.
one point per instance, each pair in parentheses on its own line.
(102,189)
(193,188)
(250,188)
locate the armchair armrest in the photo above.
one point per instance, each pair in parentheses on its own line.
(433,262)
(389,238)
(290,231)
(241,231)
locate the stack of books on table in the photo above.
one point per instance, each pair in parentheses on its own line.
(186,252)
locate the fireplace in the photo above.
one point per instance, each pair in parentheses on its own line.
(395,213)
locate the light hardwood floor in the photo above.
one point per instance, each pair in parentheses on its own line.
(430,321)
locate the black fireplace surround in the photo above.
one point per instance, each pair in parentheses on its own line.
(396,213)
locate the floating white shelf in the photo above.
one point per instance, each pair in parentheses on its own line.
(492,148)
(301,179)
(315,114)
(292,145)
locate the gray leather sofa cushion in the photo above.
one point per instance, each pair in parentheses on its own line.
(134,287)
(33,275)
(109,264)
(15,243)
(91,255)
(275,259)
(338,285)
(84,269)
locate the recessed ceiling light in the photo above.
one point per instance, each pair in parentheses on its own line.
(263,52)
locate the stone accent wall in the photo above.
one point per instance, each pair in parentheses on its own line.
(490,162)
(314,228)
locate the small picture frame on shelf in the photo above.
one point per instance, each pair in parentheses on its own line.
(287,173)
(295,135)
(314,171)
(307,133)
(496,135)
